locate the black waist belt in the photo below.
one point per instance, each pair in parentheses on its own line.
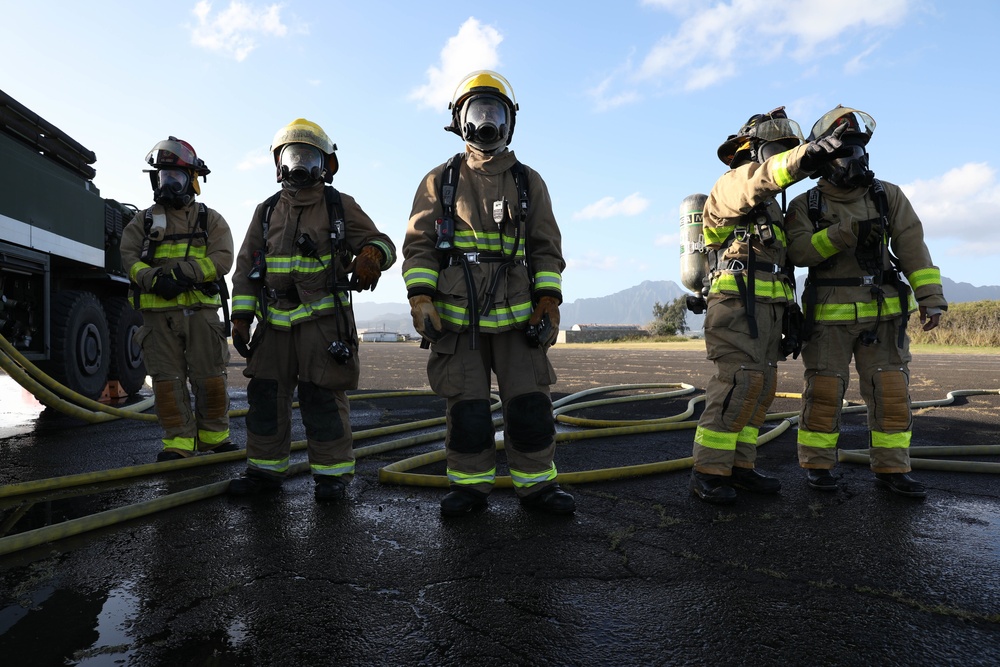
(887,278)
(480,258)
(288,294)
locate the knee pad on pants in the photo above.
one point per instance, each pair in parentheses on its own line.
(766,397)
(821,403)
(742,401)
(320,414)
(215,397)
(529,422)
(168,393)
(892,400)
(471,427)
(262,418)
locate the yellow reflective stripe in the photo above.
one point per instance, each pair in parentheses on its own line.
(298,263)
(181,444)
(174,250)
(523,479)
(149,301)
(891,440)
(285,319)
(748,434)
(207,267)
(245,304)
(335,470)
(717,235)
(548,280)
(715,439)
(419,276)
(468,240)
(136,268)
(387,253)
(779,169)
(466,478)
(213,437)
(274,465)
(818,440)
(821,243)
(766,288)
(921,277)
(849,312)
(496,319)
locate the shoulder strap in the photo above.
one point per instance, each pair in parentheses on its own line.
(814,201)
(203,218)
(521,182)
(450,184)
(269,205)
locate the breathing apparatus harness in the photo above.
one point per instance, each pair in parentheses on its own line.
(153,225)
(339,349)
(452,256)
(870,258)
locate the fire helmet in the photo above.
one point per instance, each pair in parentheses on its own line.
(763,135)
(483,111)
(302,131)
(175,172)
(851,170)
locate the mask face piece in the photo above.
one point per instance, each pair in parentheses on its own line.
(850,171)
(300,165)
(172,188)
(484,123)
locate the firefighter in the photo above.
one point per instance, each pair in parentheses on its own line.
(483,268)
(859,236)
(306,249)
(177,253)
(749,288)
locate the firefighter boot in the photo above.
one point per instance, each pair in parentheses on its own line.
(254,483)
(459,502)
(901,483)
(551,499)
(329,488)
(821,479)
(169,455)
(712,488)
(749,479)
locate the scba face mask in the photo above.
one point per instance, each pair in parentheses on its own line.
(301,165)
(484,123)
(850,171)
(173,188)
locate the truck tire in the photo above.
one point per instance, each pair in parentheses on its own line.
(80,353)
(126,362)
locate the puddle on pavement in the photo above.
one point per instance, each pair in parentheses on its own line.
(18,408)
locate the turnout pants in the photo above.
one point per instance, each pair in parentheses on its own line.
(181,346)
(523,373)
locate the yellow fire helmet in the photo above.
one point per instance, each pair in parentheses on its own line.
(482,82)
(773,126)
(302,131)
(859,124)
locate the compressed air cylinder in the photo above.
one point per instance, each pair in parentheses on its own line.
(694,260)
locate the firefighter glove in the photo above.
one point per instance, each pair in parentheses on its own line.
(367,268)
(425,317)
(547,306)
(241,336)
(930,317)
(825,149)
(868,232)
(170,285)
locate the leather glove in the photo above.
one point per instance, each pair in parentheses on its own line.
(168,286)
(930,317)
(821,151)
(367,268)
(425,317)
(241,336)
(868,232)
(547,306)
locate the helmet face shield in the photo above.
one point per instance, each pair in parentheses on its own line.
(859,124)
(301,165)
(484,122)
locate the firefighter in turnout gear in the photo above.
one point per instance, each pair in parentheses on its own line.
(859,236)
(749,289)
(177,253)
(483,268)
(306,249)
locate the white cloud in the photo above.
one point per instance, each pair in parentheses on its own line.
(475,46)
(962,204)
(607,207)
(234,31)
(713,43)
(256,159)
(592,261)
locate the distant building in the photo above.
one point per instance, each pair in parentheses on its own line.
(367,336)
(593,333)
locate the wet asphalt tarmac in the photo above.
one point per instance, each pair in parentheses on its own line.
(642,574)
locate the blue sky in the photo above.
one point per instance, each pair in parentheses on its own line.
(623,104)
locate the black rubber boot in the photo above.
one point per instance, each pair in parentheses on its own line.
(712,488)
(169,456)
(901,483)
(330,488)
(749,479)
(459,502)
(821,479)
(551,499)
(253,484)
(223,448)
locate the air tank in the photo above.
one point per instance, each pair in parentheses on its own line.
(694,260)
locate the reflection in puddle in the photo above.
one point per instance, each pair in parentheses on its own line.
(118,613)
(18,408)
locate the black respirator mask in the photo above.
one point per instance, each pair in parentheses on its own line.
(172,187)
(850,171)
(484,123)
(300,165)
